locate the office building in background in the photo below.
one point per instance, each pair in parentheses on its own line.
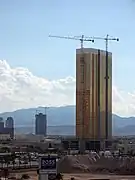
(41,124)
(1,125)
(9,127)
(90,94)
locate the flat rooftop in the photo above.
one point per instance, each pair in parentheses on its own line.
(91,50)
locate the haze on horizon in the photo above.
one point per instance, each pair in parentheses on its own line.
(39,71)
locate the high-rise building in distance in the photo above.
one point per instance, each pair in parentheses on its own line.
(41,124)
(10,126)
(91,94)
(1,125)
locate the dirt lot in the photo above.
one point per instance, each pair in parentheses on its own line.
(92,176)
(88,167)
(32,174)
(81,176)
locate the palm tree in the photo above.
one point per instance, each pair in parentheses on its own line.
(1,161)
(25,176)
(25,159)
(5,173)
(29,157)
(7,160)
(13,157)
(50,145)
(19,158)
(5,149)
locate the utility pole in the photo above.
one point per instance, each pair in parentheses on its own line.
(106,39)
(82,39)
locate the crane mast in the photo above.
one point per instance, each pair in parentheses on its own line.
(106,78)
(106,39)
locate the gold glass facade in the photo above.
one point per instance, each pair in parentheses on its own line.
(91,94)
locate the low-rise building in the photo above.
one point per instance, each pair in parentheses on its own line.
(4,137)
(29,137)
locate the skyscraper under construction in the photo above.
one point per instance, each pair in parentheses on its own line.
(91,121)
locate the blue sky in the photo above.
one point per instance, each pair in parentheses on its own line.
(26,24)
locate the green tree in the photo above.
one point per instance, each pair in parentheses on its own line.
(29,158)
(13,157)
(19,159)
(50,145)
(1,161)
(5,173)
(25,159)
(7,159)
(25,176)
(4,150)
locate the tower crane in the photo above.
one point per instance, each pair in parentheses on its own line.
(81,38)
(106,39)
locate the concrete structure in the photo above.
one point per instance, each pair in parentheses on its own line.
(29,137)
(1,125)
(9,129)
(41,124)
(4,137)
(90,94)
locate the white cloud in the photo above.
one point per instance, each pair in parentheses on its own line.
(123,102)
(19,88)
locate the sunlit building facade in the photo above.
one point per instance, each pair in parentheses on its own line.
(91,94)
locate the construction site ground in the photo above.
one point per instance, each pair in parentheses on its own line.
(92,166)
(95,164)
(82,176)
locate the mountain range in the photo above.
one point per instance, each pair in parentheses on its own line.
(61,120)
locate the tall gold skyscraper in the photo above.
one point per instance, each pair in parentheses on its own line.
(91,94)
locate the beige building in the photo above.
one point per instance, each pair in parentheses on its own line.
(91,94)
(4,137)
(29,137)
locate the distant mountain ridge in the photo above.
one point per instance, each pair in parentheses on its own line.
(65,117)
